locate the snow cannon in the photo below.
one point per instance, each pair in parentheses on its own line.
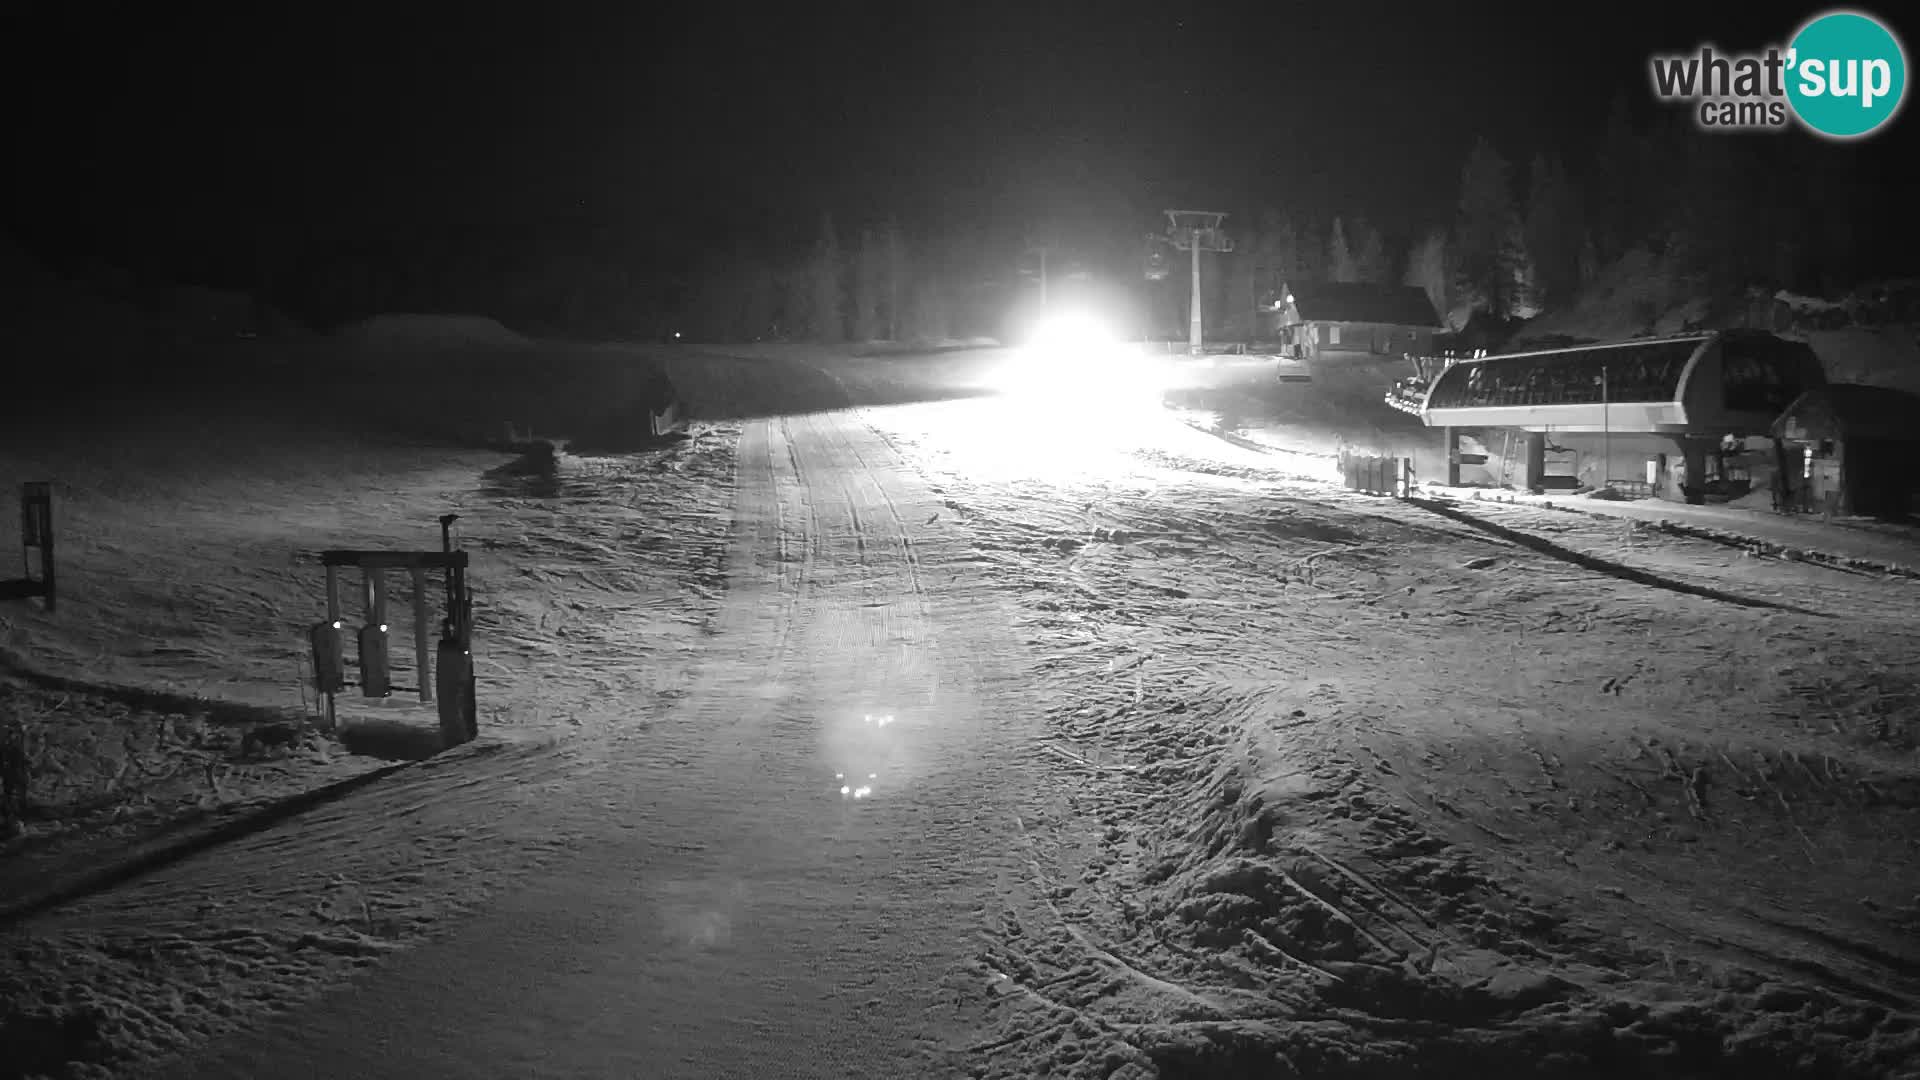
(376,669)
(450,685)
(329,656)
(453,690)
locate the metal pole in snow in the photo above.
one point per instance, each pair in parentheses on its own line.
(1606,431)
(422,662)
(453,597)
(37,508)
(1193,318)
(333,627)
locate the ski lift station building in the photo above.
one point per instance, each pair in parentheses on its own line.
(1651,413)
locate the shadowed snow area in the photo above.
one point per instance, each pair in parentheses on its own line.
(886,727)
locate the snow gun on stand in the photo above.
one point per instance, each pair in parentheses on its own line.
(454,671)
(447,679)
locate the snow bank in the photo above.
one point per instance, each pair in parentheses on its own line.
(429,331)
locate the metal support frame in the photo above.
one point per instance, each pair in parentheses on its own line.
(447,680)
(1196,231)
(36,533)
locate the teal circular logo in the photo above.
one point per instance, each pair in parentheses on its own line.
(1847,74)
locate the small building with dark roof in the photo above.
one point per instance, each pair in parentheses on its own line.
(1322,320)
(1851,449)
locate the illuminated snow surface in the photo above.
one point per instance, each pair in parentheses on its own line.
(977,736)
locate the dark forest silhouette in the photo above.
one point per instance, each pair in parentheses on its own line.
(1719,213)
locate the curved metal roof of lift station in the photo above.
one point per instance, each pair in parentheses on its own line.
(1728,382)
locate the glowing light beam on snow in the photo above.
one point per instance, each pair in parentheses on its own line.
(1076,361)
(851,791)
(863,749)
(1072,401)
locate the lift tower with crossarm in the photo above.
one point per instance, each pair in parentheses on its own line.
(1196,231)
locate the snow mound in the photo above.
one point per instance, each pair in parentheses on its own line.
(429,331)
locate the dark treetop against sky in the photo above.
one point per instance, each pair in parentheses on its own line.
(655,119)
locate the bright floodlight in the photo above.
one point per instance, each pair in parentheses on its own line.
(1073,330)
(1081,383)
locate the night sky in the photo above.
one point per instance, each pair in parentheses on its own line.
(208,135)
